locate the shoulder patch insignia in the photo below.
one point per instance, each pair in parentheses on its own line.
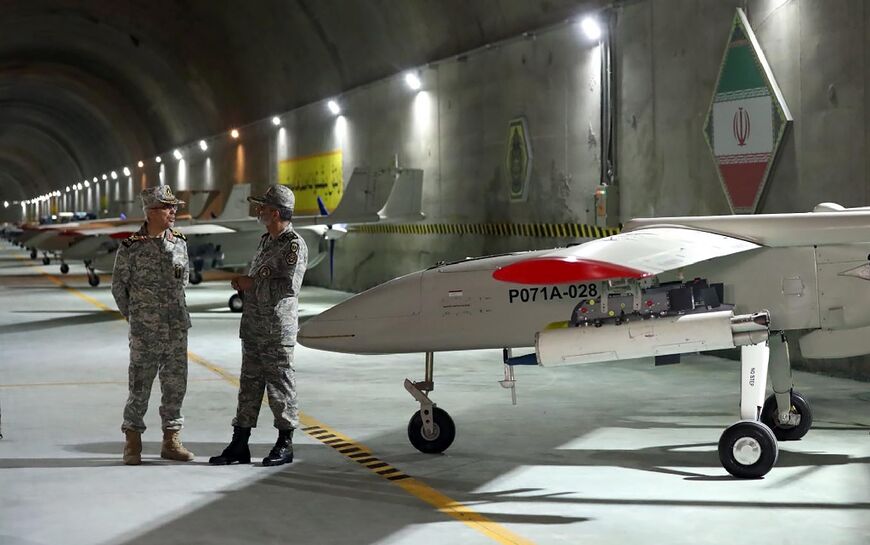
(132,239)
(292,256)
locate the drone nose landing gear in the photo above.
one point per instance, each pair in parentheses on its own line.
(430,430)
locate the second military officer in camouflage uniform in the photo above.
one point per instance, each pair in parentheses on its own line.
(268,330)
(150,274)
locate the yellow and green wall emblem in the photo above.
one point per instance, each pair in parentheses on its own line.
(518,162)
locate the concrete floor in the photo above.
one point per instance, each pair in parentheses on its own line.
(615,453)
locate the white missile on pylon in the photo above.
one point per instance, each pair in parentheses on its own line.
(654,336)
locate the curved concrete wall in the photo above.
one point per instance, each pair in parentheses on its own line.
(151,76)
(124,83)
(128,82)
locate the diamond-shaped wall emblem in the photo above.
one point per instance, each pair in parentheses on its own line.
(518,161)
(747,119)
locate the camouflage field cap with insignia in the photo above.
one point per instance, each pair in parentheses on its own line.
(153,197)
(279,196)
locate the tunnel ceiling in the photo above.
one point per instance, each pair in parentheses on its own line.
(89,85)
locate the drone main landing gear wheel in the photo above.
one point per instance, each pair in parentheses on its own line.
(748,449)
(789,426)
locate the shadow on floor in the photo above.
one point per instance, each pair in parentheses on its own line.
(80,317)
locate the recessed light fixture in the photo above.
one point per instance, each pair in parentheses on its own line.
(413,81)
(591,28)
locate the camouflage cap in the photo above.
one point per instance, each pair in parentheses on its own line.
(279,196)
(155,196)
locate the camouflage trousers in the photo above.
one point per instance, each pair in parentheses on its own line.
(163,353)
(269,367)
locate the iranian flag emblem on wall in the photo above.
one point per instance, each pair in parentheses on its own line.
(747,119)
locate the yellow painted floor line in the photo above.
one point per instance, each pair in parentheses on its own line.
(362,455)
(359,453)
(77,293)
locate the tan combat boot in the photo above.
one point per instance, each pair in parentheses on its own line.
(133,448)
(173,449)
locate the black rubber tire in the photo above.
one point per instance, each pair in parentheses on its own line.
(236,303)
(64,268)
(793,433)
(445,432)
(94,280)
(752,430)
(46,260)
(195,277)
(33,254)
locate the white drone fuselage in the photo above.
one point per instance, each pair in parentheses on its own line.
(663,287)
(809,271)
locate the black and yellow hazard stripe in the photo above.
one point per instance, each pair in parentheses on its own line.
(540,230)
(363,456)
(352,450)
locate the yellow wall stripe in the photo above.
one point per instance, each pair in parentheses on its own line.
(540,230)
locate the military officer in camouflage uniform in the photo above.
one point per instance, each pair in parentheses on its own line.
(270,319)
(150,274)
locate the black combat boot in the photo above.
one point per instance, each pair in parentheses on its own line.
(236,451)
(282,452)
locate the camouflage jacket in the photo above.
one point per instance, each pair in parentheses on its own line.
(149,278)
(271,309)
